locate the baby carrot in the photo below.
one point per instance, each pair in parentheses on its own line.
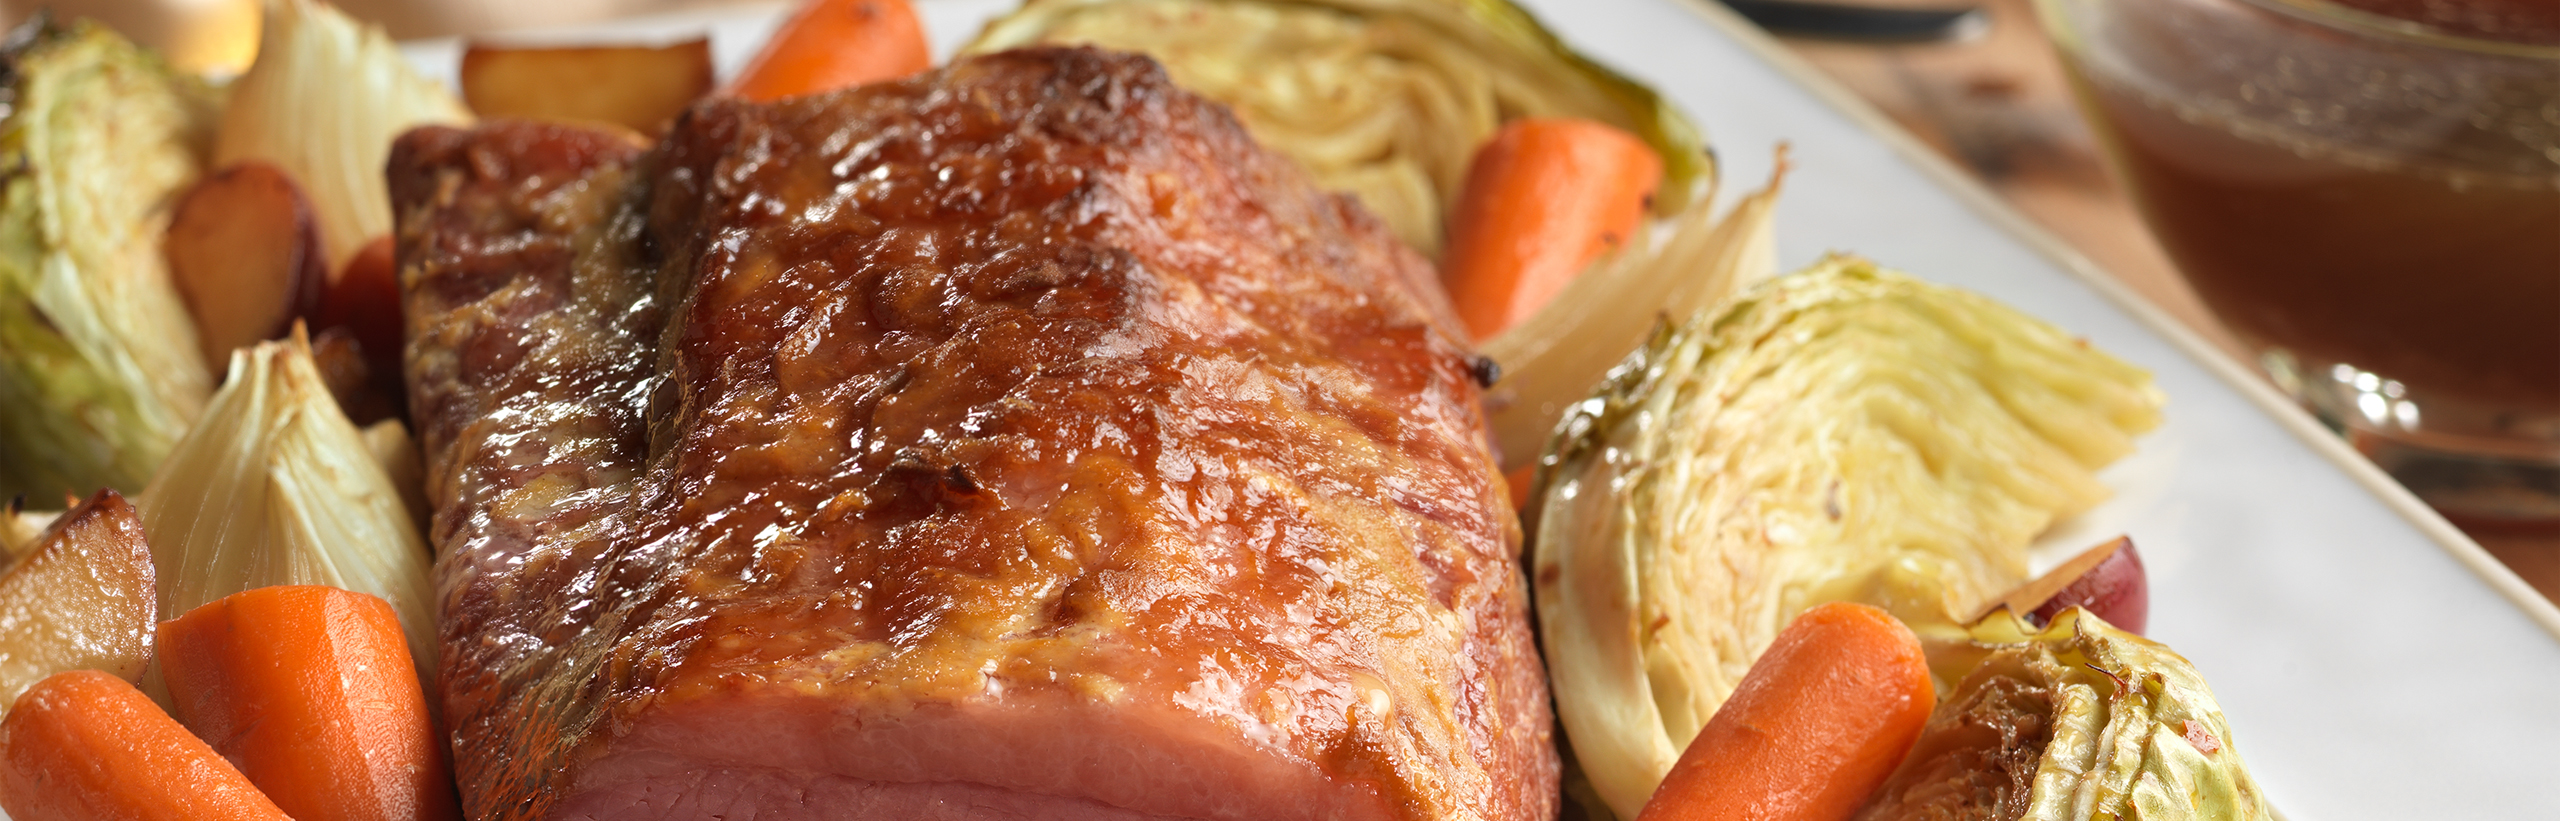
(1542,199)
(311,690)
(1820,721)
(832,44)
(83,745)
(1518,483)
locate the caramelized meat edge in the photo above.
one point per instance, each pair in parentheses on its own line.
(531,321)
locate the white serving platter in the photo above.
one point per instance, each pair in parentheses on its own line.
(2373,662)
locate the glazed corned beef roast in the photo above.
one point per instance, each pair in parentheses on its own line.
(1015,441)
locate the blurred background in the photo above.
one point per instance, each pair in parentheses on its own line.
(1986,91)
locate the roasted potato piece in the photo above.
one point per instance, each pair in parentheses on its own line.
(2107,580)
(637,87)
(245,252)
(83,599)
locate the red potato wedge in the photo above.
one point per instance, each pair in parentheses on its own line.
(2107,580)
(363,303)
(340,360)
(83,598)
(365,392)
(244,250)
(636,87)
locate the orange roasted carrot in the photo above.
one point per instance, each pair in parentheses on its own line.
(1543,199)
(1518,483)
(1820,721)
(84,744)
(311,691)
(832,44)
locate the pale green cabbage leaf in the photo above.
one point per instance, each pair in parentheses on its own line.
(1384,99)
(1841,433)
(2101,724)
(99,373)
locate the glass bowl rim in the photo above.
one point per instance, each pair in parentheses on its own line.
(2358,21)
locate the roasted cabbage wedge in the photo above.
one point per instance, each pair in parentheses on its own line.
(2079,721)
(1385,99)
(1841,433)
(276,486)
(99,373)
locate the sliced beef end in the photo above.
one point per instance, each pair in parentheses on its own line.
(1040,757)
(779,795)
(1976,759)
(530,320)
(1030,444)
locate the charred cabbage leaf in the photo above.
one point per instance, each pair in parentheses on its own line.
(1841,433)
(99,373)
(2077,722)
(1385,99)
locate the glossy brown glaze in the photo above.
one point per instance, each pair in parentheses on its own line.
(1029,442)
(530,324)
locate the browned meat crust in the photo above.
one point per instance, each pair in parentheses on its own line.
(530,324)
(1022,436)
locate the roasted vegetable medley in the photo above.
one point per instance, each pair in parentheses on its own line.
(1747,500)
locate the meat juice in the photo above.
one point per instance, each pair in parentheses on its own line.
(2420,245)
(2449,284)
